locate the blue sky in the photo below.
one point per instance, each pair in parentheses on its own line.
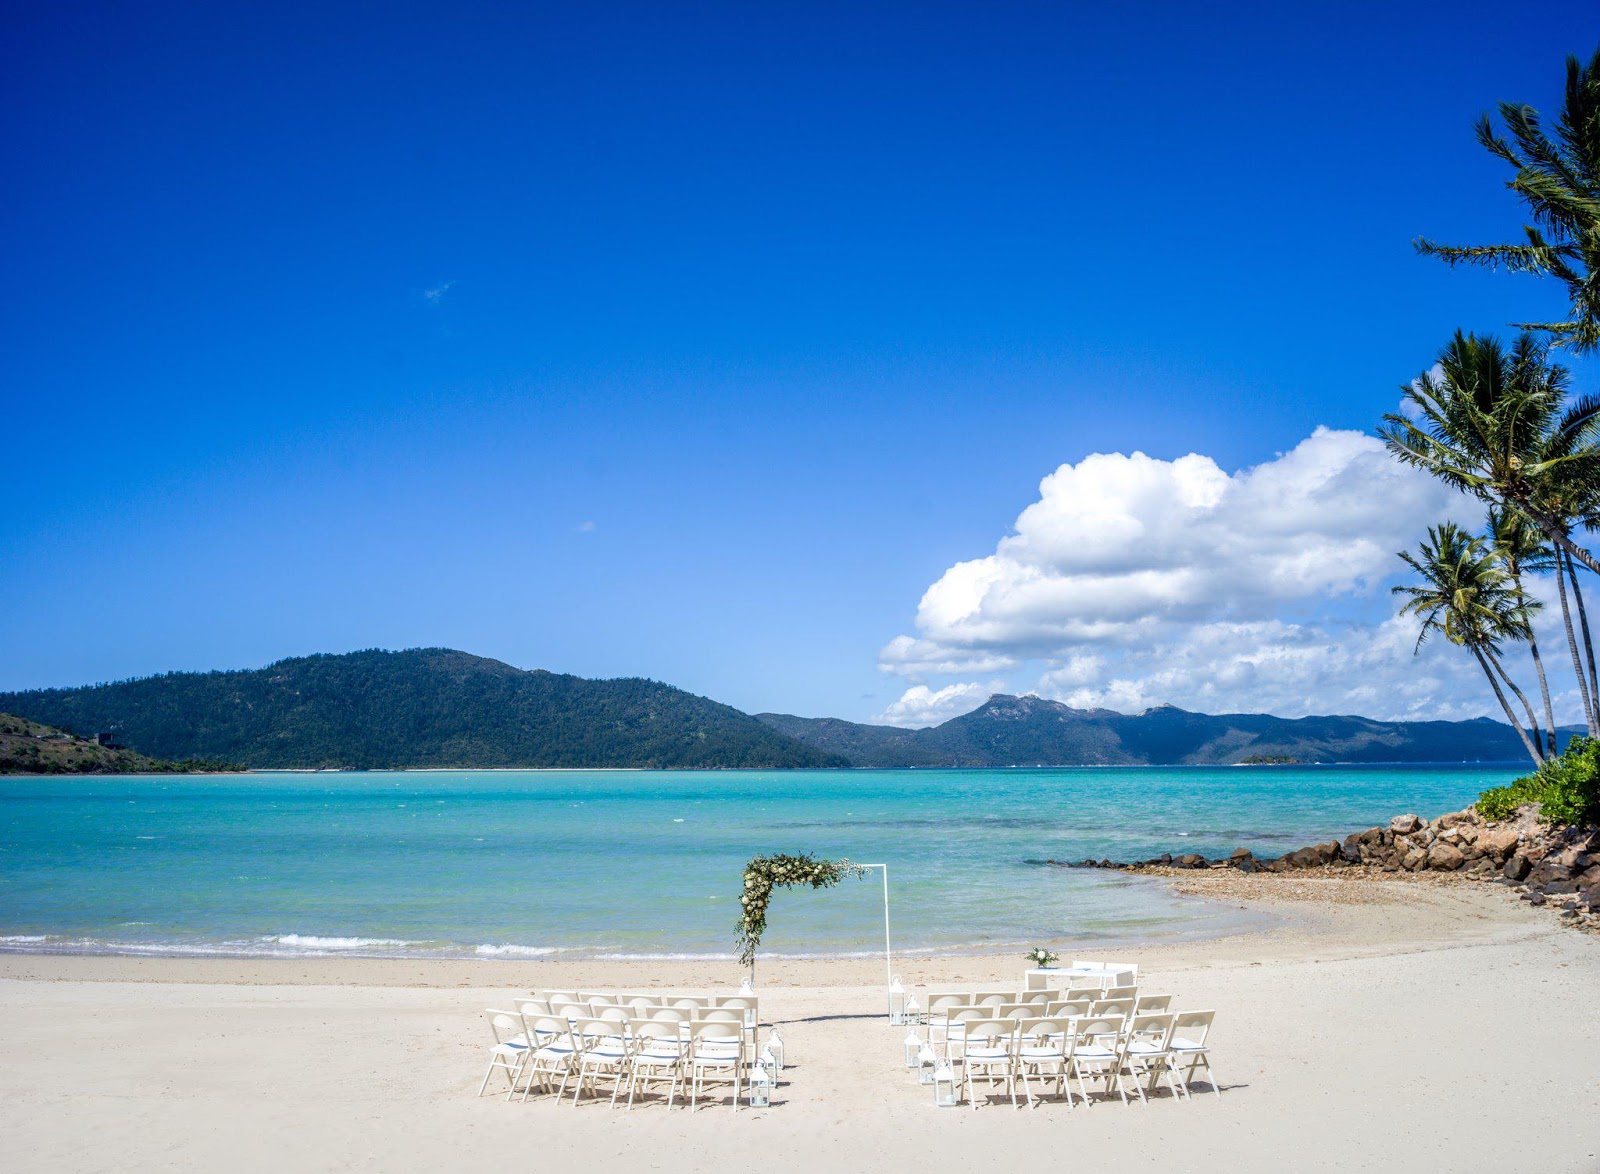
(693,342)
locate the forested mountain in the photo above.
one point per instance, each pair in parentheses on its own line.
(30,748)
(421,707)
(438,707)
(1030,731)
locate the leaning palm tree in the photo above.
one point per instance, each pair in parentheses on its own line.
(1548,560)
(1558,179)
(1466,598)
(1496,424)
(1518,547)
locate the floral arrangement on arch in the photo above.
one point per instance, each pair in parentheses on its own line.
(765,873)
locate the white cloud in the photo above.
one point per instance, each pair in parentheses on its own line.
(921,706)
(584,527)
(433,296)
(1134,581)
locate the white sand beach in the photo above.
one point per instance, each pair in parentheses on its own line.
(1375,1026)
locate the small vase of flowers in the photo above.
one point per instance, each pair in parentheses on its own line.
(1042,958)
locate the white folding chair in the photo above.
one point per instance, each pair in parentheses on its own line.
(1044,1049)
(510,1051)
(1097,1054)
(605,1052)
(550,1036)
(1152,1004)
(657,1055)
(1146,1051)
(955,1030)
(988,1049)
(1190,1049)
(715,1055)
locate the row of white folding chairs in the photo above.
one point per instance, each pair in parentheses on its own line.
(1147,1048)
(595,1000)
(955,1020)
(941,1004)
(547,1050)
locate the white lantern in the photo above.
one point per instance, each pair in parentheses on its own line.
(745,988)
(926,1061)
(897,1001)
(944,1086)
(913,1050)
(913,1013)
(770,1063)
(760,1087)
(775,1046)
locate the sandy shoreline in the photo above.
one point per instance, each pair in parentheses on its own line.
(1373,1026)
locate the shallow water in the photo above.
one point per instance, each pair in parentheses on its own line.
(619,863)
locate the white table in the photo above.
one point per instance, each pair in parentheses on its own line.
(1047,978)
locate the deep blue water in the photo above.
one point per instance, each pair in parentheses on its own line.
(513,863)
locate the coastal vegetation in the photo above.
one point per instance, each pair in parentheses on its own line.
(1503,425)
(766,873)
(31,748)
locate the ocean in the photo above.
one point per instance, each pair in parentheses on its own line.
(531,864)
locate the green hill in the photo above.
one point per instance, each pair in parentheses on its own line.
(1030,731)
(32,749)
(421,707)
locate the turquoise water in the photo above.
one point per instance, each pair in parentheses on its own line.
(627,863)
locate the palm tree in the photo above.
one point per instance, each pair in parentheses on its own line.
(1558,179)
(1466,597)
(1517,545)
(1495,424)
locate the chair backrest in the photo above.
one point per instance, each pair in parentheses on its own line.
(598,1000)
(545,1030)
(744,1003)
(1192,1026)
(1122,1008)
(1150,1004)
(670,1015)
(1013,1011)
(1154,1029)
(1077,993)
(1099,1027)
(716,1036)
(1050,1032)
(646,1030)
(547,994)
(569,1008)
(1121,992)
(605,1033)
(945,1001)
(533,1006)
(994,999)
(959,1017)
(1131,968)
(687,1002)
(1069,1008)
(721,1015)
(990,1033)
(1039,998)
(613,1014)
(506,1025)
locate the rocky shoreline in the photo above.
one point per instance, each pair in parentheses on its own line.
(1556,867)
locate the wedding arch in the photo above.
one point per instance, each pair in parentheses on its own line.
(766,873)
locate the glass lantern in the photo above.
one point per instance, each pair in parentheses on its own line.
(745,988)
(897,1001)
(913,1012)
(770,1063)
(944,1087)
(760,1087)
(775,1046)
(927,1060)
(913,1045)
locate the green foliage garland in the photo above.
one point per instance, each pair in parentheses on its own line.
(765,873)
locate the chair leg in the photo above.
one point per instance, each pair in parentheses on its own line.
(488,1072)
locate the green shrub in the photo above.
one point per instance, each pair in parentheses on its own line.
(1567,789)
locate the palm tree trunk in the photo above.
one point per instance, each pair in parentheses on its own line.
(1533,751)
(1588,647)
(1538,668)
(1572,645)
(1533,722)
(1559,537)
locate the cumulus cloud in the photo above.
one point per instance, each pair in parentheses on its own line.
(436,294)
(1134,581)
(921,706)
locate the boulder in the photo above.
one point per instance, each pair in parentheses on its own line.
(1445,857)
(1534,897)
(1404,825)
(1458,818)
(1498,842)
(1558,888)
(1190,860)
(1549,869)
(1371,836)
(1517,868)
(1414,859)
(1248,864)
(1351,848)
(1590,898)
(1239,854)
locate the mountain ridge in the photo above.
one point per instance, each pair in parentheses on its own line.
(440,707)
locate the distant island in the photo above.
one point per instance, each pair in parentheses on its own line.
(1269,760)
(437,707)
(30,748)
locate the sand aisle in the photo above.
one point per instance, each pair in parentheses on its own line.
(1413,1028)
